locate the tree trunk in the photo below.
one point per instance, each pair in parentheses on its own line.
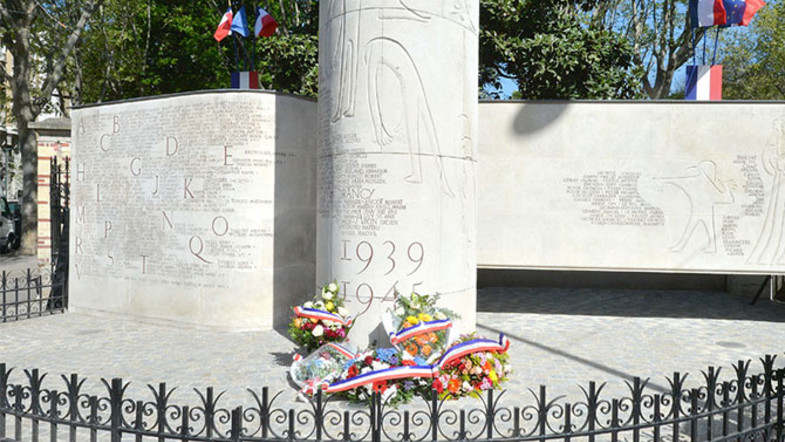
(25,112)
(28,145)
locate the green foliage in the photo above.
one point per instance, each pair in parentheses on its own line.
(550,51)
(151,47)
(754,64)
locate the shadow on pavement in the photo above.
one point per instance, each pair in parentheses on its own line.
(628,303)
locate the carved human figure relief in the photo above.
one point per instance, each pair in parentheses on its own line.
(770,246)
(404,11)
(703,190)
(384,53)
(459,11)
(345,58)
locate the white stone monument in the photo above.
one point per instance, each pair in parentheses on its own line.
(396,186)
(196,208)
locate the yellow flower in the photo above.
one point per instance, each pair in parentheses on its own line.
(493,376)
(330,306)
(425,317)
(412,320)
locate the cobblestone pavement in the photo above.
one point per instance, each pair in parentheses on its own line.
(561,338)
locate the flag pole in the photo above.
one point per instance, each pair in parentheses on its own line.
(716,39)
(694,49)
(234,44)
(703,56)
(253,49)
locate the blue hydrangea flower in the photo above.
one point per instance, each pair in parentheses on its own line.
(408,385)
(385,354)
(394,360)
(419,360)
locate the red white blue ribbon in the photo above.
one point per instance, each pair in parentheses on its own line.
(411,371)
(342,350)
(312,313)
(473,346)
(422,327)
(388,374)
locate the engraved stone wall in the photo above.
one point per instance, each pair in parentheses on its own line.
(397,120)
(632,186)
(195,208)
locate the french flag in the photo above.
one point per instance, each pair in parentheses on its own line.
(265,24)
(225,26)
(705,13)
(704,83)
(245,80)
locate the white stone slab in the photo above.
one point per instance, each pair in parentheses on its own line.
(196,208)
(632,186)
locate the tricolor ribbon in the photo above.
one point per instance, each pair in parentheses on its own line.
(388,374)
(342,350)
(312,313)
(473,346)
(410,371)
(422,327)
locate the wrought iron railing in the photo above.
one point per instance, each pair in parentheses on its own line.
(37,292)
(745,407)
(30,294)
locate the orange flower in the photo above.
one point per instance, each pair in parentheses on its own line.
(411,348)
(432,337)
(454,385)
(406,325)
(426,350)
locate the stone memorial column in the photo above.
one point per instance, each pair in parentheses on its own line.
(398,125)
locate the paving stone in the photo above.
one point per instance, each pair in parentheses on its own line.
(561,338)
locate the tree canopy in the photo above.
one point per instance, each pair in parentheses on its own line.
(152,47)
(754,62)
(551,50)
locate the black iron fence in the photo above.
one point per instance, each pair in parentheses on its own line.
(746,407)
(42,291)
(30,294)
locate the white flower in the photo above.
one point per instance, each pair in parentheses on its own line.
(467,386)
(343,311)
(439,316)
(414,305)
(365,370)
(318,330)
(330,324)
(377,365)
(333,287)
(319,305)
(327,295)
(399,311)
(308,304)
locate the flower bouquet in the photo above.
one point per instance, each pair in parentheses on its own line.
(383,371)
(471,366)
(417,327)
(320,321)
(320,367)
